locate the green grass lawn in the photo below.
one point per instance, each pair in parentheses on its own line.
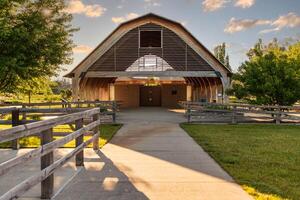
(107,131)
(35,98)
(264,159)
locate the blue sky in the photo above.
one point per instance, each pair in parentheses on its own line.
(239,23)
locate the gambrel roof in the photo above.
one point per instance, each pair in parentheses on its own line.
(105,49)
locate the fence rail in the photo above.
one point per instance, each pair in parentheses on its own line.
(240,113)
(46,151)
(63,103)
(21,112)
(59,108)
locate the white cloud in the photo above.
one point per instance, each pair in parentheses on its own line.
(244,3)
(237,25)
(291,20)
(129,16)
(82,49)
(213,5)
(78,7)
(152,2)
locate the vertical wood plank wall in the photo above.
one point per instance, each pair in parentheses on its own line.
(203,90)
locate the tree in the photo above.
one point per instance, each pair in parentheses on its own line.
(66,94)
(60,84)
(271,76)
(35,86)
(257,50)
(34,41)
(220,54)
(227,62)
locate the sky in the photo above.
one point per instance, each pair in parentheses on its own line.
(238,23)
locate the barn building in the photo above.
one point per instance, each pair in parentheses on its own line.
(150,61)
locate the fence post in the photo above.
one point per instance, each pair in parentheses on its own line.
(47,160)
(24,113)
(63,103)
(96,131)
(79,140)
(114,109)
(15,121)
(233,117)
(278,116)
(188,112)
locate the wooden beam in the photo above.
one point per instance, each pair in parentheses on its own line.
(79,160)
(15,122)
(8,110)
(47,184)
(96,131)
(105,74)
(37,127)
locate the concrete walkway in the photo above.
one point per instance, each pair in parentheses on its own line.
(151,157)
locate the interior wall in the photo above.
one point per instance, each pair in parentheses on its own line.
(96,92)
(129,95)
(94,89)
(172,94)
(207,94)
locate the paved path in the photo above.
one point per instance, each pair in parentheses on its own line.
(151,157)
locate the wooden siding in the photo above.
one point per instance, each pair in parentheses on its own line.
(95,88)
(206,88)
(169,99)
(126,51)
(128,95)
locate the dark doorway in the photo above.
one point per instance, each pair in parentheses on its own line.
(150,96)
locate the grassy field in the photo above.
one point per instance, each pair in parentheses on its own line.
(35,98)
(264,159)
(107,131)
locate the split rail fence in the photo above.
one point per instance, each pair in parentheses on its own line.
(48,109)
(46,151)
(20,114)
(239,113)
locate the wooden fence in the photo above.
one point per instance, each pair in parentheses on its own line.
(48,145)
(21,112)
(46,109)
(63,103)
(240,113)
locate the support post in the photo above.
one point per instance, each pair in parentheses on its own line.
(79,160)
(233,117)
(188,112)
(24,113)
(47,185)
(114,109)
(15,122)
(278,115)
(96,131)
